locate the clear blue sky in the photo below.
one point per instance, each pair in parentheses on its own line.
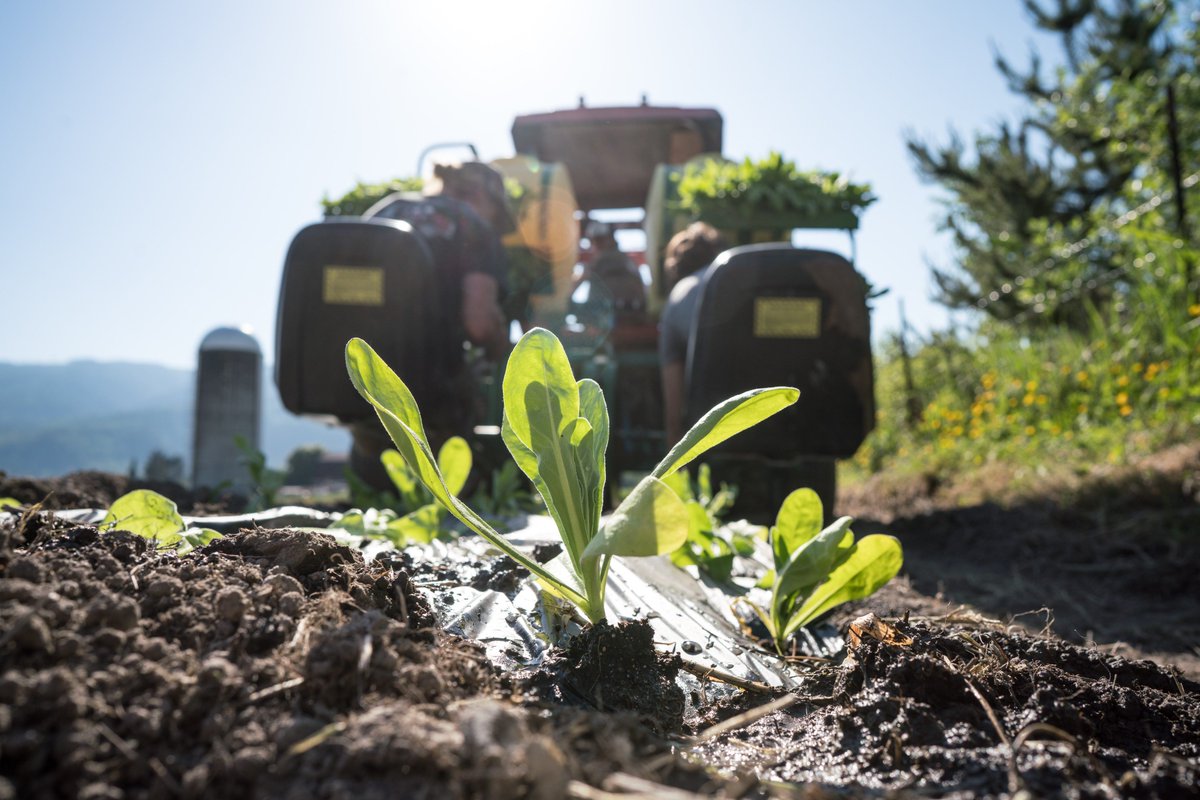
(158,157)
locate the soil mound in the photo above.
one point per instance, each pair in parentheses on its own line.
(965,711)
(92,489)
(268,664)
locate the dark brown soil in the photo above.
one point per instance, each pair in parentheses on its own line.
(270,664)
(615,668)
(91,489)
(1110,559)
(974,711)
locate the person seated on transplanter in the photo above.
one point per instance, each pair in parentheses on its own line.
(461,217)
(689,254)
(614,271)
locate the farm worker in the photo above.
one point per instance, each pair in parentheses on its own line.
(689,254)
(461,217)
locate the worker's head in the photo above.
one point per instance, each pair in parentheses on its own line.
(477,185)
(691,249)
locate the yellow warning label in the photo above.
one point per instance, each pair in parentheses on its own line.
(787,317)
(353,286)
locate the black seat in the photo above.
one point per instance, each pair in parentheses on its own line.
(352,277)
(772,315)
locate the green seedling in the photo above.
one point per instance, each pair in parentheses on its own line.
(705,546)
(507,496)
(427,521)
(266,481)
(556,429)
(149,514)
(817,570)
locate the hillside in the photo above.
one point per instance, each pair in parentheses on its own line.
(95,415)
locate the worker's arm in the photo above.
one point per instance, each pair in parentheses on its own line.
(482,318)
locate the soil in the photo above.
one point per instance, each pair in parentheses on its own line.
(276,663)
(91,489)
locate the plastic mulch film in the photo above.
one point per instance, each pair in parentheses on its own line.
(701,620)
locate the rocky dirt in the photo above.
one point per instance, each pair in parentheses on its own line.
(278,664)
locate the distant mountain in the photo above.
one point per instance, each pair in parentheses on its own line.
(59,418)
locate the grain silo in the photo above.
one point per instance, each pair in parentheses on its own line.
(228,403)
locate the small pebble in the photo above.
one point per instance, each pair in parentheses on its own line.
(291,603)
(231,604)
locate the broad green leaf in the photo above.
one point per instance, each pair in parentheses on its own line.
(680,483)
(592,464)
(397,410)
(814,560)
(421,526)
(147,514)
(652,520)
(559,481)
(539,358)
(698,519)
(454,461)
(873,561)
(800,518)
(542,409)
(198,537)
(725,420)
(399,472)
(9,502)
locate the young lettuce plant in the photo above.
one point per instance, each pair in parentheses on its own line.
(150,515)
(426,521)
(556,429)
(707,546)
(817,570)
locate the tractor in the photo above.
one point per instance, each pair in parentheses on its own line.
(769,313)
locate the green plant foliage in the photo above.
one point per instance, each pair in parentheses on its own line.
(818,569)
(1031,203)
(507,496)
(150,515)
(1124,386)
(355,202)
(716,188)
(426,520)
(707,546)
(417,527)
(266,482)
(9,502)
(556,429)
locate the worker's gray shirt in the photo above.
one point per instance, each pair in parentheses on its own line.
(676,322)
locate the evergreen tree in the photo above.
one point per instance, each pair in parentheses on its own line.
(1036,210)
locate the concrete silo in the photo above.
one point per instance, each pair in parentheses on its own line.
(228,405)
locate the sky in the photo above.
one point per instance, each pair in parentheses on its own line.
(157,157)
